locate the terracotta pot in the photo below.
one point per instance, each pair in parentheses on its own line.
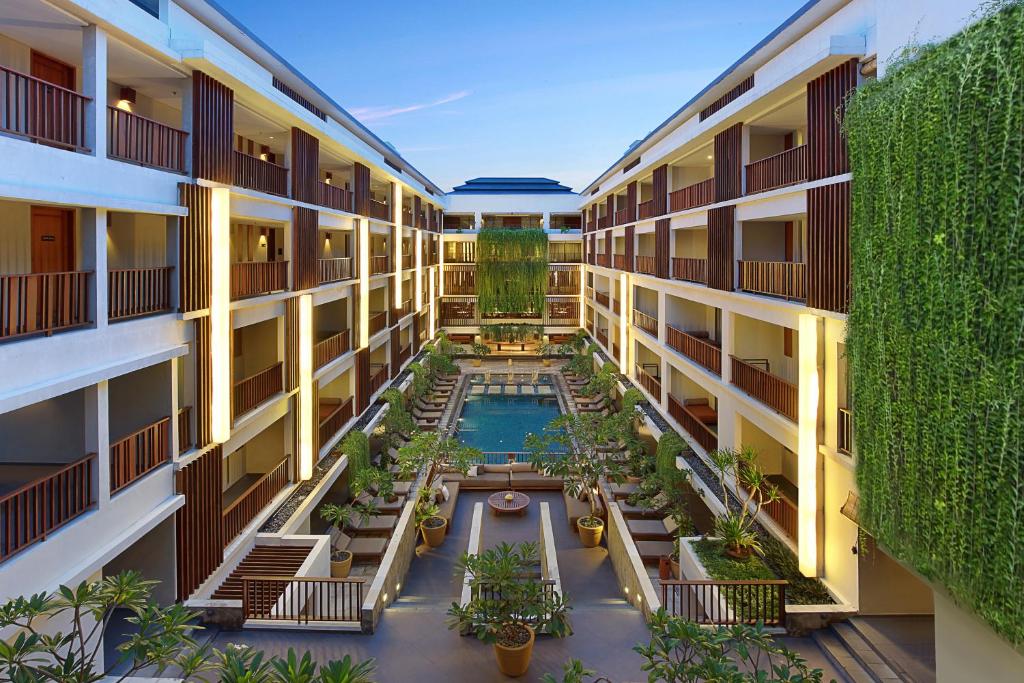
(514,661)
(590,537)
(664,568)
(477,362)
(546,362)
(340,569)
(675,568)
(434,536)
(743,554)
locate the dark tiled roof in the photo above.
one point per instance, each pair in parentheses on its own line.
(511,186)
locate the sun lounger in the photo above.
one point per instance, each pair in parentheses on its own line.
(375,524)
(652,511)
(363,549)
(622,490)
(652,551)
(652,529)
(382,506)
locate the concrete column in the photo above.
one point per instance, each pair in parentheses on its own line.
(729,433)
(662,314)
(94,258)
(363,244)
(478,220)
(417,244)
(173,258)
(175,442)
(186,110)
(830,383)
(744,156)
(97,437)
(546,218)
(94,85)
(728,344)
(396,248)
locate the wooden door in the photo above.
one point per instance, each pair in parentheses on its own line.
(53,242)
(53,70)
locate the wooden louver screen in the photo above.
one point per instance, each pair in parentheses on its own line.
(305,166)
(213,129)
(826,97)
(291,344)
(720,247)
(194,248)
(659,181)
(198,529)
(305,267)
(360,189)
(204,381)
(362,364)
(631,246)
(828,247)
(729,163)
(662,239)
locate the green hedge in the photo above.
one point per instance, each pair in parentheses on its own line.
(511,271)
(935,330)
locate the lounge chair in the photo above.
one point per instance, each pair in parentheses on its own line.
(402,488)
(429,405)
(652,529)
(426,415)
(653,511)
(622,490)
(652,551)
(376,524)
(384,507)
(363,549)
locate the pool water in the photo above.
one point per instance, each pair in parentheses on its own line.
(500,422)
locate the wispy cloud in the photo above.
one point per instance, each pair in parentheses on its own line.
(369,114)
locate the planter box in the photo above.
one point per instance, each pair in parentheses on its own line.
(692,569)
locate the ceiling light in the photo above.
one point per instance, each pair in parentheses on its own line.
(709,156)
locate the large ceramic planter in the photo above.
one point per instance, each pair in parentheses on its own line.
(590,536)
(340,568)
(514,661)
(434,535)
(477,362)
(546,362)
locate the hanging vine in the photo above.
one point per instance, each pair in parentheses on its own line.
(511,271)
(936,328)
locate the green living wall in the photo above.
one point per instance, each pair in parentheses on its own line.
(935,330)
(511,271)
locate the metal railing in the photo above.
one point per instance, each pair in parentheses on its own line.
(263,176)
(42,111)
(334,269)
(700,351)
(773,391)
(647,323)
(333,347)
(302,599)
(726,603)
(254,278)
(692,196)
(237,516)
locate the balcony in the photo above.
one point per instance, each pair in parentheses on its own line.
(334,414)
(645,209)
(138,291)
(334,269)
(785,279)
(139,140)
(58,494)
(41,111)
(845,431)
(601,298)
(690,269)
(604,258)
(379,210)
(459,279)
(619,261)
(563,280)
(137,454)
(263,176)
(43,303)
(692,196)
(332,197)
(379,265)
(646,265)
(255,278)
(602,222)
(379,377)
(378,322)
(602,337)
(774,392)
(257,388)
(621,216)
(332,347)
(407,219)
(244,509)
(406,261)
(696,418)
(779,170)
(648,374)
(645,322)
(561,309)
(696,347)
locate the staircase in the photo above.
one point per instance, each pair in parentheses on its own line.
(854,655)
(262,560)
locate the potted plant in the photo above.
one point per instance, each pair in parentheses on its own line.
(375,480)
(397,424)
(339,516)
(508,606)
(576,439)
(480,351)
(433,453)
(750,486)
(547,350)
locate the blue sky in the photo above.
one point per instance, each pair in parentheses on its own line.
(528,88)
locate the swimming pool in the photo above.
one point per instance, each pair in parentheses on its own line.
(499,422)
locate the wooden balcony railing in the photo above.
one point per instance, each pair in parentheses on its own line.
(379,265)
(41,111)
(31,512)
(43,303)
(617,306)
(773,391)
(646,265)
(334,421)
(379,377)
(404,353)
(407,217)
(263,176)
(604,258)
(645,209)
(619,261)
(786,279)
(134,456)
(406,261)
(621,216)
(302,599)
(690,269)
(778,170)
(601,298)
(138,291)
(256,389)
(253,278)
(700,351)
(783,513)
(563,280)
(650,382)
(459,279)
(335,269)
(185,442)
(237,516)
(333,347)
(602,222)
(406,307)
(378,322)
(726,603)
(602,336)
(143,141)
(647,323)
(380,210)
(700,432)
(845,431)
(334,197)
(692,196)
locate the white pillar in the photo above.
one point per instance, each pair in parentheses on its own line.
(417,244)
(396,248)
(94,258)
(546,220)
(728,343)
(97,437)
(809,506)
(175,442)
(363,242)
(478,220)
(94,85)
(186,111)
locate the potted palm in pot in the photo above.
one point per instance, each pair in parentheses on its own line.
(576,439)
(434,454)
(508,606)
(480,351)
(740,469)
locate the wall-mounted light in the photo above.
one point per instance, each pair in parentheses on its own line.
(328,178)
(126,99)
(710,157)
